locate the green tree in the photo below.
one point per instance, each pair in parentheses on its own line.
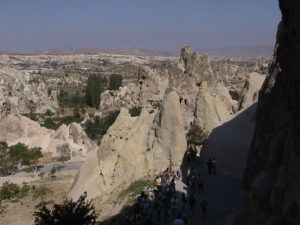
(95,86)
(64,152)
(115,81)
(20,153)
(4,157)
(53,171)
(70,212)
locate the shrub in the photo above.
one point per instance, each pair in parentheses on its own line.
(98,127)
(80,212)
(196,135)
(49,113)
(33,116)
(69,119)
(9,190)
(53,171)
(135,111)
(64,152)
(50,124)
(41,192)
(115,81)
(134,190)
(156,105)
(234,95)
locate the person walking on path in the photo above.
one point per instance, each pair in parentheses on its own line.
(209,166)
(183,200)
(200,184)
(214,165)
(192,203)
(204,205)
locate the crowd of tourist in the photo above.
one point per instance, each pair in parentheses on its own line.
(162,204)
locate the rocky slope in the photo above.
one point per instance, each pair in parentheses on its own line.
(271,179)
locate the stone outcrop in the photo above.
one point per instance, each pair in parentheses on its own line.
(195,64)
(124,97)
(171,134)
(133,148)
(271,179)
(210,110)
(251,88)
(74,136)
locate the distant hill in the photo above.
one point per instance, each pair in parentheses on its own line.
(265,51)
(122,51)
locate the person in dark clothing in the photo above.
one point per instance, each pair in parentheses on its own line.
(204,204)
(183,200)
(200,184)
(192,202)
(214,165)
(209,166)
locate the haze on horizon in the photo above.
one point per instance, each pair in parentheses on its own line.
(159,25)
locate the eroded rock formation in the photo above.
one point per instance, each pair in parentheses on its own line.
(185,78)
(133,148)
(16,128)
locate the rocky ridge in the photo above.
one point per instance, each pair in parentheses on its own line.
(271,179)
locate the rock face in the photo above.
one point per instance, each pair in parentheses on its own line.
(132,149)
(230,143)
(252,86)
(194,64)
(271,179)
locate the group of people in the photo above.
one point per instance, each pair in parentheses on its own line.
(161,204)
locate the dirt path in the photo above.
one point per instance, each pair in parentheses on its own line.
(223,193)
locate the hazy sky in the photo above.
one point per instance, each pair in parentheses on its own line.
(27,25)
